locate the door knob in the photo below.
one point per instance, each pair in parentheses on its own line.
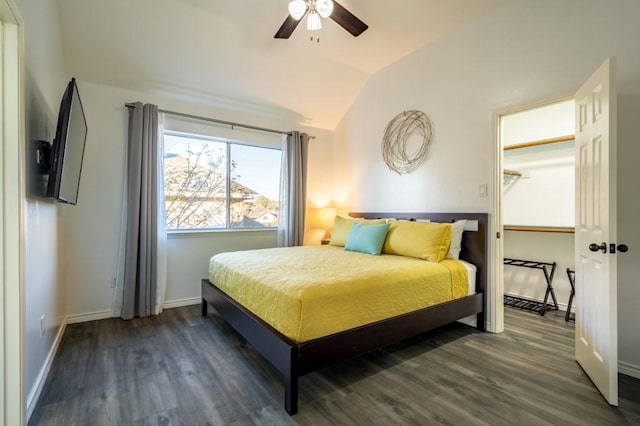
(596,247)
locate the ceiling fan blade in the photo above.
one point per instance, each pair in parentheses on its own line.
(287,27)
(347,20)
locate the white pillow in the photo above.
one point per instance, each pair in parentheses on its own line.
(456,239)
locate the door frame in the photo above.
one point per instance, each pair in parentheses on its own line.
(495,305)
(12,395)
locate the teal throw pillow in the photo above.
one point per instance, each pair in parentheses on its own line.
(367,238)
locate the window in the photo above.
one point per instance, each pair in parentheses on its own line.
(217,183)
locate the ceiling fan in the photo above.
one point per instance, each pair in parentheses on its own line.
(316,9)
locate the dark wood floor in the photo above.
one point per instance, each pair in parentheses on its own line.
(182,369)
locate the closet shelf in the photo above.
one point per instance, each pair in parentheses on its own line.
(534,305)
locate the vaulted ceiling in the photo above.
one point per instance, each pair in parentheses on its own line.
(223,51)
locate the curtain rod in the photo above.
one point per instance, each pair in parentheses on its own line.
(214,120)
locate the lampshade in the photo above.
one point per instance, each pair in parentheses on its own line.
(324,8)
(297,8)
(313,21)
(327,216)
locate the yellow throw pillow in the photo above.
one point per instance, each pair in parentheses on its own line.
(342,227)
(428,241)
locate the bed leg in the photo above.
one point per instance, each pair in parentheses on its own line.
(291,395)
(204,307)
(481,322)
(291,382)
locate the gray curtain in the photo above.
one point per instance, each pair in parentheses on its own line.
(294,189)
(141,244)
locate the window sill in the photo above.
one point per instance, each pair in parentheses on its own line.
(208,233)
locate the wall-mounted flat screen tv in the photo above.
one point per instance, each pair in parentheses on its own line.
(68,148)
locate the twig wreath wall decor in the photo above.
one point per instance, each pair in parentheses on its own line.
(396,135)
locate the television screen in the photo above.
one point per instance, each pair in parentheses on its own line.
(68,148)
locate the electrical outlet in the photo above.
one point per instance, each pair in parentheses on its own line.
(42,326)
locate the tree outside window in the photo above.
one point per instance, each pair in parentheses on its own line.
(214,184)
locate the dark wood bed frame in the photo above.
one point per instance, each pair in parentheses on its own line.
(293,360)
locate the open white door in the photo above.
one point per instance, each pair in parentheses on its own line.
(596,334)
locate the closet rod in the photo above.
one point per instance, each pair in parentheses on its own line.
(540,142)
(556,229)
(214,120)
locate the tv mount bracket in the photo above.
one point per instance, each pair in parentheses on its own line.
(43,156)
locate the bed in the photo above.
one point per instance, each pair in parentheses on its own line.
(295,351)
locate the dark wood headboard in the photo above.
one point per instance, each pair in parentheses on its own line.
(474,243)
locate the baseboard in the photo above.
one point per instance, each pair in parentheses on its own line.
(98,315)
(629,369)
(34,394)
(182,302)
(89,316)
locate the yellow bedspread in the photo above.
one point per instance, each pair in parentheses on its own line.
(310,292)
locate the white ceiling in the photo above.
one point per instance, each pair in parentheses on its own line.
(223,51)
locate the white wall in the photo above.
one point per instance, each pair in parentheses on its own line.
(543,196)
(518,54)
(539,123)
(545,193)
(93,227)
(45,82)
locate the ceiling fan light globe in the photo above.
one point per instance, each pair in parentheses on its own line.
(313,21)
(297,8)
(324,8)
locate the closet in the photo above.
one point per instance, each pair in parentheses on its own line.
(538,206)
